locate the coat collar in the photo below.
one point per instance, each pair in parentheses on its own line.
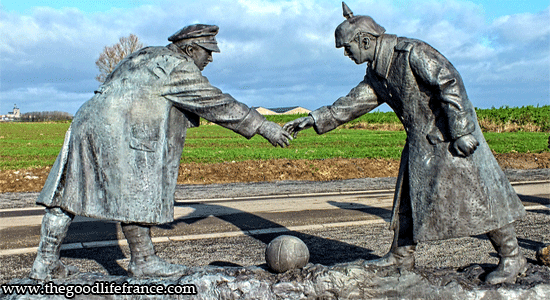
(384,54)
(174,48)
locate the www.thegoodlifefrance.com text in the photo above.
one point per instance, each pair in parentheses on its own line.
(98,288)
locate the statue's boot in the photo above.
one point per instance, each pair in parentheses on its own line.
(401,257)
(144,263)
(512,263)
(47,265)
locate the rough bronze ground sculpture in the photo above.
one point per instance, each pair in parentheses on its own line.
(121,154)
(449,184)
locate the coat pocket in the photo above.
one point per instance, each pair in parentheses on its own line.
(143,145)
(144,137)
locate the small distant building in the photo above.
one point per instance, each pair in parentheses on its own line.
(264,111)
(293,110)
(12,115)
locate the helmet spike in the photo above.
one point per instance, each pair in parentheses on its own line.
(347,12)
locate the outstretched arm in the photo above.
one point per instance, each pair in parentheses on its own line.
(358,102)
(191,92)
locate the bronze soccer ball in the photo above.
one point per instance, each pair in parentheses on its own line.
(285,253)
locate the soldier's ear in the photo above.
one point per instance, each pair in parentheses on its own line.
(362,39)
(366,42)
(189,50)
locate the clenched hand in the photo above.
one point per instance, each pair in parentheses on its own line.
(466,145)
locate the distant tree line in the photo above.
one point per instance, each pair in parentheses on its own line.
(46,116)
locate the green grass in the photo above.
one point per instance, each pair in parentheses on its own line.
(226,145)
(520,142)
(25,145)
(537,115)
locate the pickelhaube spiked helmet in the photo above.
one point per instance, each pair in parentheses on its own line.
(347,30)
(200,34)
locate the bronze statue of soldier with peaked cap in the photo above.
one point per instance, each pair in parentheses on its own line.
(449,183)
(121,154)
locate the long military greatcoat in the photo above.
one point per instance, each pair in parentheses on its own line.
(122,151)
(451,196)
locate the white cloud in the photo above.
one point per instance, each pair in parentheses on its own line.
(263,8)
(519,50)
(523,28)
(46,25)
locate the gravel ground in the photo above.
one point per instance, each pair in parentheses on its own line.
(328,247)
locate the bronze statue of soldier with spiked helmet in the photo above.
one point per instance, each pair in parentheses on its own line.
(449,183)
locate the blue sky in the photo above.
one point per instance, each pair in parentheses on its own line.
(274,53)
(85,6)
(492,8)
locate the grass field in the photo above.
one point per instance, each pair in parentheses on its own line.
(210,144)
(24,145)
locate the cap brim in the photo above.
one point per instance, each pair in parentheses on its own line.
(211,47)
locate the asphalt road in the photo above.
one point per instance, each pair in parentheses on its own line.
(230,225)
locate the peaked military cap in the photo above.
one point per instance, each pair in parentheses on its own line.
(200,34)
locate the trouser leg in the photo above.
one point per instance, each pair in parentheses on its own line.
(404,232)
(143,260)
(401,253)
(512,262)
(47,265)
(139,241)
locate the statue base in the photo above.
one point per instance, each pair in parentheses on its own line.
(314,281)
